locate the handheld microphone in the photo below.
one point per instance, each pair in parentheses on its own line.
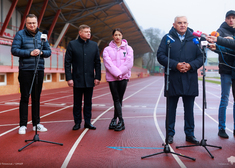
(196,42)
(199,34)
(44,35)
(169,39)
(215,33)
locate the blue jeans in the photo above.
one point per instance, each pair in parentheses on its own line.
(226,81)
(233,88)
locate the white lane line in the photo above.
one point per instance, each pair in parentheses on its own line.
(56,110)
(64,96)
(212,118)
(181,164)
(40,117)
(53,111)
(70,154)
(9,110)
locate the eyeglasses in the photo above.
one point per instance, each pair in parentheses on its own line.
(29,23)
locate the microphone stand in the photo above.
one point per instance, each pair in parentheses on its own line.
(166,145)
(36,136)
(203,141)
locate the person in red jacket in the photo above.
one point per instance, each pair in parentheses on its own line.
(118,61)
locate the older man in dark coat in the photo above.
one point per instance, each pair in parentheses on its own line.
(83,55)
(185,59)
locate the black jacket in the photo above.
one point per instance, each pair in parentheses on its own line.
(84,59)
(228,43)
(225,30)
(22,46)
(181,84)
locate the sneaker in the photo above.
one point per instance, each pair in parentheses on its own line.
(222,133)
(40,127)
(22,130)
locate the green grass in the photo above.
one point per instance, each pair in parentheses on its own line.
(211,81)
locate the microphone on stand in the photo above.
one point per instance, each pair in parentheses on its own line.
(196,42)
(169,39)
(44,36)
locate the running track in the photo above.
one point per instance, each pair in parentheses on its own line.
(144,116)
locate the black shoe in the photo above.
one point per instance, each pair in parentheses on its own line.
(76,126)
(223,134)
(234,132)
(170,139)
(113,124)
(192,139)
(120,126)
(90,126)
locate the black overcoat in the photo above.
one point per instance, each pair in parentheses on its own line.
(82,63)
(181,84)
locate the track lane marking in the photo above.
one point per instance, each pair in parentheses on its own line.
(178,160)
(70,154)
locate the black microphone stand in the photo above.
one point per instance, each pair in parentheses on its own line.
(203,141)
(166,145)
(35,77)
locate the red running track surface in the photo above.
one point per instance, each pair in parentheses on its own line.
(144,116)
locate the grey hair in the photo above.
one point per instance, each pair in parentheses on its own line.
(179,17)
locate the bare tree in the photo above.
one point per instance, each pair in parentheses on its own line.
(153,36)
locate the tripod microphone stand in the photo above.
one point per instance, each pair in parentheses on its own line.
(35,78)
(203,141)
(166,145)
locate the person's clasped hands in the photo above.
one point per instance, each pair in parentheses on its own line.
(183,67)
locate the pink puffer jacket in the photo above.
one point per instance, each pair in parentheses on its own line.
(118,61)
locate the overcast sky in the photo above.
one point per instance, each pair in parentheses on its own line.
(203,15)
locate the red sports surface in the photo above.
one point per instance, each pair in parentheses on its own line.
(144,109)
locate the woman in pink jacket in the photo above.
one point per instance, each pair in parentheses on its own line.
(118,61)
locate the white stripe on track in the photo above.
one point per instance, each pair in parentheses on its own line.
(70,154)
(56,110)
(212,118)
(181,164)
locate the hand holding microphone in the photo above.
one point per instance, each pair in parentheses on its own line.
(213,37)
(35,52)
(43,38)
(212,46)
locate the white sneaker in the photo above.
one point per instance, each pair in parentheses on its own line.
(22,130)
(40,127)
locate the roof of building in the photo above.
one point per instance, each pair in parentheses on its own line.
(101,15)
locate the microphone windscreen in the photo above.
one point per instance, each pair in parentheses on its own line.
(197,33)
(195,41)
(214,33)
(44,32)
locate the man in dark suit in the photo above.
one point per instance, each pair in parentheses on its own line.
(185,59)
(83,55)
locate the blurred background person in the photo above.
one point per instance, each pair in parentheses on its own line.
(225,45)
(227,29)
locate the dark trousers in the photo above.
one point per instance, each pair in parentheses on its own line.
(188,102)
(77,104)
(25,79)
(233,89)
(118,89)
